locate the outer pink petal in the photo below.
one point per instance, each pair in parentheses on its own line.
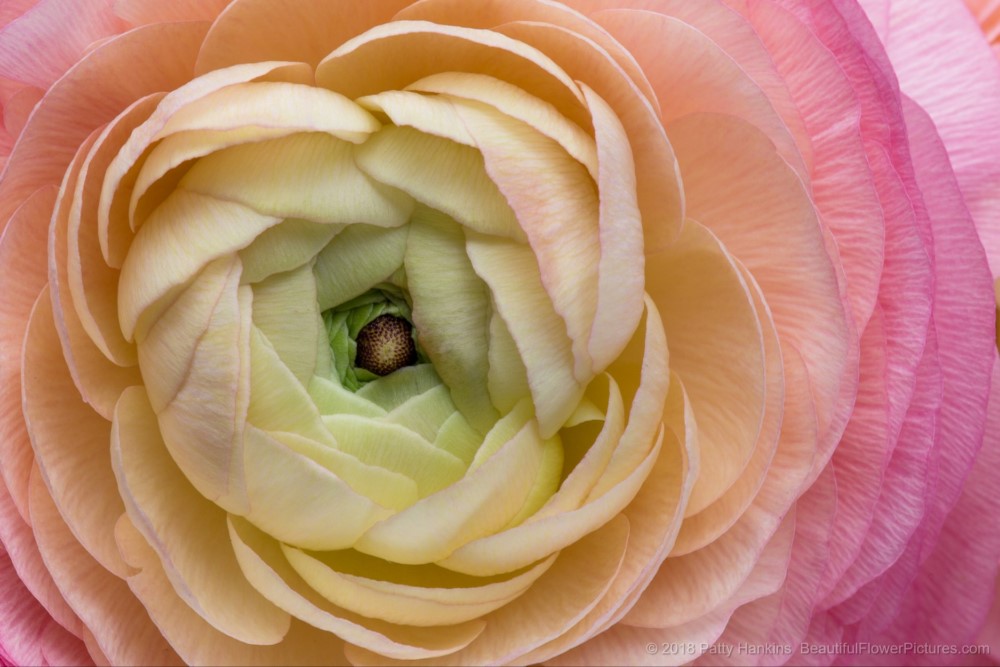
(945,64)
(28,635)
(40,46)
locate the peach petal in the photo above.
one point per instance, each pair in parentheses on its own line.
(739,187)
(658,185)
(77,475)
(737,37)
(690,586)
(514,102)
(104,82)
(266,566)
(656,514)
(682,644)
(196,641)
(18,109)
(56,33)
(720,358)
(559,215)
(844,190)
(120,626)
(497,14)
(187,531)
(112,218)
(143,12)
(573,586)
(22,256)
(92,284)
(99,379)
(381,50)
(655,38)
(298,30)
(704,527)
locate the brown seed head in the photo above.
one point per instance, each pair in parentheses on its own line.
(385,345)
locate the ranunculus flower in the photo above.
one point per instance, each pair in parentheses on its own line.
(481,332)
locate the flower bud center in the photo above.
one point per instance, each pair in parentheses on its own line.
(385,345)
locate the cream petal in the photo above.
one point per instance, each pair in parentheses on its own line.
(286,246)
(168,161)
(409,603)
(184,234)
(512,101)
(507,378)
(306,175)
(187,531)
(573,586)
(332,399)
(425,413)
(538,332)
(384,487)
(440,174)
(300,502)
(278,401)
(284,305)
(479,504)
(451,312)
(578,484)
(197,374)
(620,271)
(265,566)
(359,258)
(111,216)
(395,448)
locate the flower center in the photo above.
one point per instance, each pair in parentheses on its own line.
(385,345)
(371,336)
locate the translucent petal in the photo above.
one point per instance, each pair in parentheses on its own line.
(451,312)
